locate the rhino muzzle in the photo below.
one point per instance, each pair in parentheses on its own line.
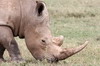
(65,52)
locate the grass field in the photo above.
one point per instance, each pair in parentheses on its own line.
(78,21)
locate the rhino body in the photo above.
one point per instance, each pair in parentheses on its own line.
(16,13)
(29,19)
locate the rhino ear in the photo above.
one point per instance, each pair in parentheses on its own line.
(39,7)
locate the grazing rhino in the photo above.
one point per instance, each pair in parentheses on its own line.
(29,19)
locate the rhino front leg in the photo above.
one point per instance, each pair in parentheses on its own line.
(14,51)
(8,41)
(2,49)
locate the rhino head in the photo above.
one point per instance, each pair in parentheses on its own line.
(40,41)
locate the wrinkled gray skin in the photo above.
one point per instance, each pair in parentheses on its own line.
(29,19)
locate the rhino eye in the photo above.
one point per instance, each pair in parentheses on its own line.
(43,41)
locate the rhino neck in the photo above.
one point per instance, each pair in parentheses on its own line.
(18,24)
(27,11)
(22,22)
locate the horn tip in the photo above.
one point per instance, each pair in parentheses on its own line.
(86,42)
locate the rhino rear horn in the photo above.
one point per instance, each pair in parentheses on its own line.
(58,40)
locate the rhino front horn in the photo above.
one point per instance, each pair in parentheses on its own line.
(71,51)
